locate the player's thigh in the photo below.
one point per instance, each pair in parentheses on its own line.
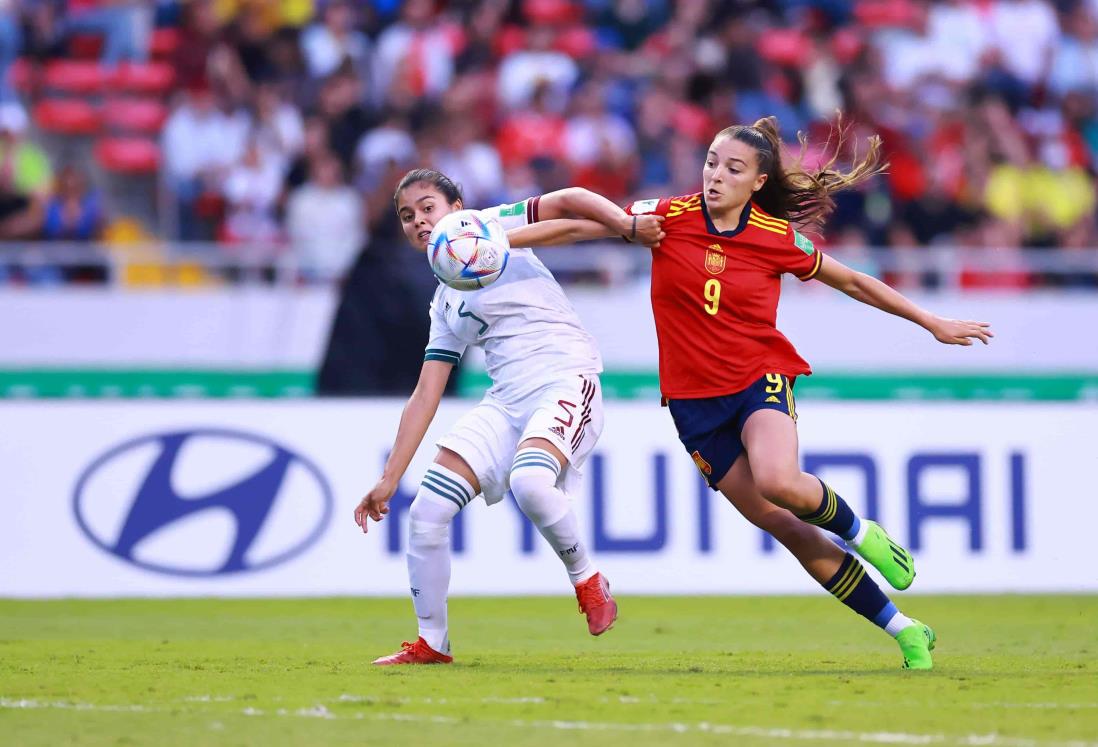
(484,440)
(770,438)
(566,420)
(455,462)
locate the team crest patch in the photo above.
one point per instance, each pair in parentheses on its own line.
(714,259)
(557,431)
(640,207)
(704,466)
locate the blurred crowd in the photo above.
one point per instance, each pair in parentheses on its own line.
(291,120)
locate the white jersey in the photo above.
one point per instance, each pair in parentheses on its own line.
(530,333)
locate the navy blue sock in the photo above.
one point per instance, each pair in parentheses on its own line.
(834,515)
(859,592)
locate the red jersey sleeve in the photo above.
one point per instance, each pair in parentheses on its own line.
(798,256)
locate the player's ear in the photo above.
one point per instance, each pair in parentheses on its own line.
(457,204)
(760,180)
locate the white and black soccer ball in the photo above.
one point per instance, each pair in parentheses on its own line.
(468,250)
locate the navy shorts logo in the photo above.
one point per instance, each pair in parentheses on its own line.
(203,502)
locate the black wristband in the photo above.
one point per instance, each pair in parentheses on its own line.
(633,235)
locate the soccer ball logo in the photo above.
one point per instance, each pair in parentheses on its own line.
(468,250)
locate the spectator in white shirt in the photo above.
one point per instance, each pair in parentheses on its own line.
(521,72)
(325,45)
(415,56)
(325,221)
(1075,61)
(279,128)
(200,142)
(959,37)
(1025,33)
(593,132)
(470,161)
(381,147)
(251,189)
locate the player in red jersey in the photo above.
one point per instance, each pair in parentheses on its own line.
(727,373)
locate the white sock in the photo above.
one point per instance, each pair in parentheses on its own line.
(898,622)
(563,537)
(534,483)
(440,497)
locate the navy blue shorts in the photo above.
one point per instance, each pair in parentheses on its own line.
(710,428)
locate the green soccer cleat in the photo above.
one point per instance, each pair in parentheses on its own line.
(894,562)
(916,642)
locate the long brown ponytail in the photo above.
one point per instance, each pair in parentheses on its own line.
(792,192)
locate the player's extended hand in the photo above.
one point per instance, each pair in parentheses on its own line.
(958,332)
(649,230)
(375,505)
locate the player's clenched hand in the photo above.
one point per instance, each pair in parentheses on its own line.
(375,505)
(958,332)
(649,230)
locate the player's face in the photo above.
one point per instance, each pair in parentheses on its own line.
(420,206)
(731,175)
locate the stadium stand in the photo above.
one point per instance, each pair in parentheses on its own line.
(992,134)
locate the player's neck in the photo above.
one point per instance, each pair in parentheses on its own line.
(729,219)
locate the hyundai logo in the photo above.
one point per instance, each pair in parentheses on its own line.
(203,502)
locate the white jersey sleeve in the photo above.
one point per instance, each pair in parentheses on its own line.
(442,344)
(516,214)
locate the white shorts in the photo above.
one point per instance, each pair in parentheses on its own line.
(567,413)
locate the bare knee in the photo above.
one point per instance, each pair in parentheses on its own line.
(780,487)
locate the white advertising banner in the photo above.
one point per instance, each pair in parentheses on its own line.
(256,498)
(287,329)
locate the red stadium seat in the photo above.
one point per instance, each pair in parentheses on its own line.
(576,42)
(163,43)
(22,75)
(66,116)
(787,47)
(125,155)
(153,78)
(86,46)
(135,115)
(75,76)
(509,39)
(884,13)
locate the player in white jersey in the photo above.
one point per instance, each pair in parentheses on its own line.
(534,428)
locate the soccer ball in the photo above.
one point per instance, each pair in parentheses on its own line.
(468,250)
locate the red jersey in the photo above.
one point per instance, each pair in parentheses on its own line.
(715,297)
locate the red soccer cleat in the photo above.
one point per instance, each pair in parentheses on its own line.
(414,653)
(595,602)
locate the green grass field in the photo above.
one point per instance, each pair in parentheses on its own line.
(744,671)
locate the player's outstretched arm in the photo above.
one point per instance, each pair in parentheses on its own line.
(873,292)
(414,421)
(570,230)
(577,202)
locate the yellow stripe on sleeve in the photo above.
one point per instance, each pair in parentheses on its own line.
(815,267)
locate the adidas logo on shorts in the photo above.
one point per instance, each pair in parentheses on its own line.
(772,398)
(558,432)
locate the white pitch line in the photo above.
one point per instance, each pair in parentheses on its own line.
(772,734)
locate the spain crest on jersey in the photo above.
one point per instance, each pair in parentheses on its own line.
(714,259)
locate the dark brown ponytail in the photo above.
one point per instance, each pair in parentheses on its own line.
(791,192)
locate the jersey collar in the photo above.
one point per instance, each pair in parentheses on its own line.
(744,215)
